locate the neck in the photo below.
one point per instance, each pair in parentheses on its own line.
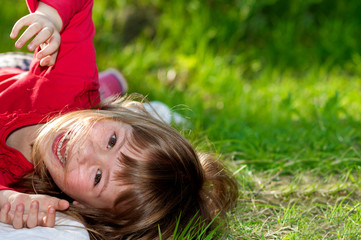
(22,139)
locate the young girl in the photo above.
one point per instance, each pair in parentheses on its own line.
(110,165)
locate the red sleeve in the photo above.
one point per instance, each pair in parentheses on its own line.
(5,188)
(66,9)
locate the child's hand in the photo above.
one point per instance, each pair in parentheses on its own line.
(44,25)
(29,210)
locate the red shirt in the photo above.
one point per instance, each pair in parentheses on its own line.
(34,97)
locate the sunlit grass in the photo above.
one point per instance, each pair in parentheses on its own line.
(292,137)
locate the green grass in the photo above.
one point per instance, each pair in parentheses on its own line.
(271,86)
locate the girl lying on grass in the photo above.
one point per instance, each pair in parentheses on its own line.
(110,165)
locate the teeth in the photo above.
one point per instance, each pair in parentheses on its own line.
(66,151)
(61,158)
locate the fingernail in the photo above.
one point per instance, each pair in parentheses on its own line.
(19,207)
(51,210)
(5,206)
(12,35)
(30,47)
(33,204)
(18,44)
(39,56)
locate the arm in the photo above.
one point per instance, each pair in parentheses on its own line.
(75,66)
(71,83)
(55,16)
(29,210)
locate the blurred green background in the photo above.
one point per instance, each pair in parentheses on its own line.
(273,86)
(272,83)
(254,34)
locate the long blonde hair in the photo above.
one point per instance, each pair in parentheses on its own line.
(169,185)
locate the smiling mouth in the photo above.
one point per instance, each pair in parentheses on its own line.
(63,148)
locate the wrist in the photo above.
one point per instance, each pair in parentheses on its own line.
(51,13)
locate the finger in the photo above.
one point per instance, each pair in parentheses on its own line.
(49,220)
(45,201)
(45,61)
(63,204)
(50,48)
(78,204)
(32,220)
(4,217)
(30,32)
(18,221)
(41,217)
(49,61)
(22,22)
(44,35)
(52,62)
(58,204)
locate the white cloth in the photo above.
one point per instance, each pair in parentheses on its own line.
(161,111)
(70,230)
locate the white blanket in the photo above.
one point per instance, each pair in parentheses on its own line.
(75,231)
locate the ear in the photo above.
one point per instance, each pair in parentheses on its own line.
(78,204)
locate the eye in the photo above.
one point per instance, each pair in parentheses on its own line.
(98,177)
(112,141)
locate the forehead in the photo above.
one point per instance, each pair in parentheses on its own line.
(111,123)
(113,191)
(105,126)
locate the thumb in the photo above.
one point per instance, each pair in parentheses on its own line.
(59,204)
(62,204)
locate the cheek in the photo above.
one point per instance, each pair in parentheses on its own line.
(74,182)
(43,142)
(59,180)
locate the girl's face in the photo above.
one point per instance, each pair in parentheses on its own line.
(86,169)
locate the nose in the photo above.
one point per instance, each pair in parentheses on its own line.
(89,154)
(84,153)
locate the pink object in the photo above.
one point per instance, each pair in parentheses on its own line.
(112,83)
